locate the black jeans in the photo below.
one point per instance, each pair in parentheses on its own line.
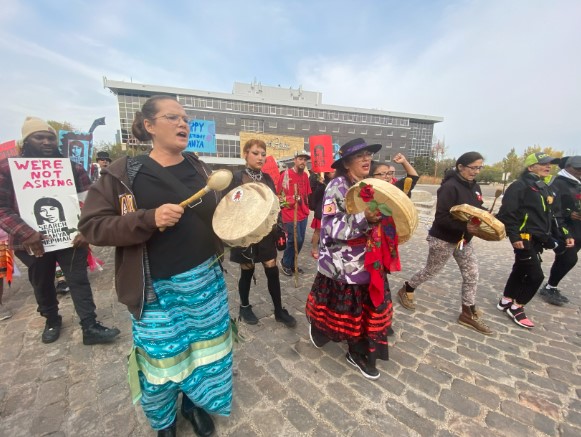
(526,276)
(563,264)
(41,271)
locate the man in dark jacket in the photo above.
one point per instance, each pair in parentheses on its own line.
(39,140)
(526,212)
(567,210)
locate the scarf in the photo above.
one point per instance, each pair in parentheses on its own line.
(381,257)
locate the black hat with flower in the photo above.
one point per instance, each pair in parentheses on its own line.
(353,147)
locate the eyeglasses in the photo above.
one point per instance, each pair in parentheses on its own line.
(174,118)
(384,174)
(363,155)
(474,167)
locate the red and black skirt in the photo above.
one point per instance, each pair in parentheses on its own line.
(344,312)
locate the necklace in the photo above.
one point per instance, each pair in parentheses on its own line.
(256,175)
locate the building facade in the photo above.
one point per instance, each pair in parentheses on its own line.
(285,118)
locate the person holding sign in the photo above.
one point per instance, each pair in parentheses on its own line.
(294,189)
(171,281)
(39,140)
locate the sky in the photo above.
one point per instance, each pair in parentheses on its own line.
(502,73)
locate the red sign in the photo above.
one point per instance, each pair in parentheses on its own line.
(8,149)
(321,152)
(270,167)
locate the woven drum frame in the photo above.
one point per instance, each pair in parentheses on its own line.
(403,210)
(491,229)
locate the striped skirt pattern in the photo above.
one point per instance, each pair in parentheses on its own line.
(344,312)
(183,342)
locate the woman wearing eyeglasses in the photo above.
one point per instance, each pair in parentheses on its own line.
(451,237)
(339,306)
(386,172)
(170,281)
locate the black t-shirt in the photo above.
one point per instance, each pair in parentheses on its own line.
(192,240)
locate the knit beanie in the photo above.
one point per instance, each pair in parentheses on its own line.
(32,125)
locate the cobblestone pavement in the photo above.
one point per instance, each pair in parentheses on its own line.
(442,379)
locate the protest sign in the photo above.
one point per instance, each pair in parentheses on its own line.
(78,146)
(270,167)
(202,136)
(321,152)
(8,149)
(47,198)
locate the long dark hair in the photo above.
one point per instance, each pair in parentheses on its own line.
(47,201)
(468,158)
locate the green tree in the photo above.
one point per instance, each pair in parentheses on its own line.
(491,173)
(424,165)
(115,150)
(512,164)
(58,125)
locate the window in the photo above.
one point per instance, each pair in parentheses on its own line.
(250,125)
(379,132)
(363,131)
(230,120)
(272,124)
(390,133)
(306,126)
(229,106)
(404,134)
(291,126)
(322,128)
(351,130)
(336,129)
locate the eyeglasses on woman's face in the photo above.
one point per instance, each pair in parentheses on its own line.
(474,167)
(384,174)
(175,118)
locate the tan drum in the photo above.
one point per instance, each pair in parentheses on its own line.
(491,229)
(403,210)
(246,215)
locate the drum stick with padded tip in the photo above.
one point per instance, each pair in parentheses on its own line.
(219,180)
(496,196)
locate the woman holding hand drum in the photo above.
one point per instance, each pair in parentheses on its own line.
(170,281)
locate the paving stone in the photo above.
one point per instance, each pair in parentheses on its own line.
(476,393)
(269,422)
(410,418)
(341,419)
(461,426)
(424,406)
(550,360)
(459,403)
(402,358)
(271,388)
(83,421)
(436,375)
(48,419)
(298,415)
(332,367)
(446,366)
(524,363)
(514,371)
(507,425)
(420,383)
(547,383)
(566,430)
(573,418)
(524,389)
(436,341)
(529,417)
(565,376)
(471,354)
(342,393)
(50,392)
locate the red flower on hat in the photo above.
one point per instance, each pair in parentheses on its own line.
(367,192)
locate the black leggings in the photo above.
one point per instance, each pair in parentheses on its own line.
(563,264)
(273,283)
(526,276)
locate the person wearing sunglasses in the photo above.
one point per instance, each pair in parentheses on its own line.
(386,172)
(171,280)
(527,214)
(451,237)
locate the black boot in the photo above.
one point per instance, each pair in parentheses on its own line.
(96,333)
(285,318)
(52,329)
(200,420)
(170,431)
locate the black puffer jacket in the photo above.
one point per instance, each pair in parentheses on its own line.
(454,190)
(527,209)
